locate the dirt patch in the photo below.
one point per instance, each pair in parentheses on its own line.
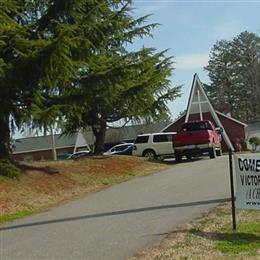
(45,184)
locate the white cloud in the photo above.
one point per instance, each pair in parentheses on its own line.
(191,61)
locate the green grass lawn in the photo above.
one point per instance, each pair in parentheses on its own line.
(10,217)
(212,237)
(245,239)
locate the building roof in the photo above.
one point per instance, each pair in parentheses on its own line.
(41,143)
(114,135)
(231,118)
(219,113)
(199,103)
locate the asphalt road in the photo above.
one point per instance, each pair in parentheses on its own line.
(119,221)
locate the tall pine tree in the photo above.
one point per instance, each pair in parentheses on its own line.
(120,84)
(234,71)
(43,46)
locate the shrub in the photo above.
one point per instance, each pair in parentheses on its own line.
(8,169)
(254,141)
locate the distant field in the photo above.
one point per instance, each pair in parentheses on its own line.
(47,184)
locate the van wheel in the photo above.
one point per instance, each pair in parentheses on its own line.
(212,153)
(149,154)
(219,152)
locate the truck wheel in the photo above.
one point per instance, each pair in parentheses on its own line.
(219,152)
(212,153)
(149,154)
(178,156)
(188,156)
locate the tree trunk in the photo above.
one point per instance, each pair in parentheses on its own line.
(54,153)
(5,150)
(99,133)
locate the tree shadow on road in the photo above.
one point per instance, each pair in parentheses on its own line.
(117,213)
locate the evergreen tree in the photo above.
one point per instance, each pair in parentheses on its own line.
(222,91)
(20,69)
(246,53)
(235,76)
(43,46)
(68,61)
(118,83)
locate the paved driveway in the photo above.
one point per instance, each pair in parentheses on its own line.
(117,222)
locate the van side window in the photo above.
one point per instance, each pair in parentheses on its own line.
(160,138)
(142,139)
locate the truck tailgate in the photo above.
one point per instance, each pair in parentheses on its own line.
(189,138)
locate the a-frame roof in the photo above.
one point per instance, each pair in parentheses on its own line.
(198,100)
(199,103)
(218,113)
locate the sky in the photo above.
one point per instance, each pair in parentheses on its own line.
(189,29)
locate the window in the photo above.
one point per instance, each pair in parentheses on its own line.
(196,126)
(142,139)
(160,138)
(77,155)
(121,147)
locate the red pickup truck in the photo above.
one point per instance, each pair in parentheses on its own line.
(196,138)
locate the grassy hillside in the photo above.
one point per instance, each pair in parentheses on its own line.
(46,184)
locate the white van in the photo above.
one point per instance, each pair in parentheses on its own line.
(152,146)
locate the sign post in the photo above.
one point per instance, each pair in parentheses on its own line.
(232,190)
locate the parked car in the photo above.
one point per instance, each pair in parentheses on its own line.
(124,149)
(196,138)
(155,145)
(80,154)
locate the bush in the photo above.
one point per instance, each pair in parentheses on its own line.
(8,169)
(254,141)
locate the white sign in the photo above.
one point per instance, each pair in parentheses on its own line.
(247,169)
